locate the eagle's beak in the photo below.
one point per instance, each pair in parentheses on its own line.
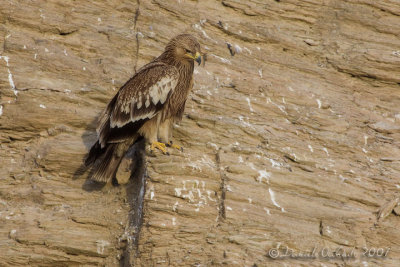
(197,57)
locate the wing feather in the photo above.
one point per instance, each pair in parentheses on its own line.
(139,100)
(144,95)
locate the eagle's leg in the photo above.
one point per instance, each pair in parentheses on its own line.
(160,146)
(164,134)
(150,130)
(170,144)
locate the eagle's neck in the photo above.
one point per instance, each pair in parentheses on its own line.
(176,103)
(184,67)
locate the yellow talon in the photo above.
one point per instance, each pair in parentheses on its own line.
(170,144)
(160,146)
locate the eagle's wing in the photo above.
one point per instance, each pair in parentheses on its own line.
(139,100)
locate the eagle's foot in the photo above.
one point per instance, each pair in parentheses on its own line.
(170,144)
(160,146)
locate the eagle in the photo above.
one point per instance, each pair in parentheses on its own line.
(146,106)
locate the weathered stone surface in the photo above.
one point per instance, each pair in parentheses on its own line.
(291,142)
(386,127)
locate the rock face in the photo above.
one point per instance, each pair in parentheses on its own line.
(291,134)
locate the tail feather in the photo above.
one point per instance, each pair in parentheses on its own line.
(94,153)
(108,165)
(106,160)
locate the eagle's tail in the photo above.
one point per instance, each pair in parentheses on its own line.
(94,153)
(106,160)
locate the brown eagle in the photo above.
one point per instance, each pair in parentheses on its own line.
(145,106)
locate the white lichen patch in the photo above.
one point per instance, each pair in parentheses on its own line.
(267,211)
(275,164)
(343,179)
(41,14)
(311,149)
(139,34)
(194,192)
(262,174)
(213,145)
(194,166)
(175,206)
(13,233)
(249,103)
(273,199)
(209,192)
(319,103)
(207,162)
(10,76)
(246,123)
(280,107)
(247,50)
(223,60)
(198,27)
(328,230)
(101,245)
(204,162)
(238,49)
(396,53)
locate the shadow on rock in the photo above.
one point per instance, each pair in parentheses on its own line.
(135,191)
(89,137)
(133,167)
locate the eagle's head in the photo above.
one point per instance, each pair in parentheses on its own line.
(184,48)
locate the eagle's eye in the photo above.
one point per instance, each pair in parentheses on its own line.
(188,51)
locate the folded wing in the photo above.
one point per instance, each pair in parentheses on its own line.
(139,100)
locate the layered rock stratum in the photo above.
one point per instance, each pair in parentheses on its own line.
(291,134)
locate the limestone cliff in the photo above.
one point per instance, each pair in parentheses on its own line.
(291,134)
